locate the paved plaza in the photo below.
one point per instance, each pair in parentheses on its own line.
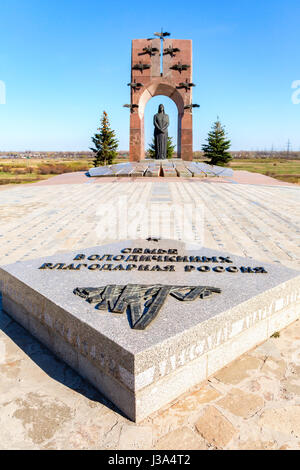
(253,403)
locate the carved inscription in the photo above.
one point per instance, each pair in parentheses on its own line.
(166,260)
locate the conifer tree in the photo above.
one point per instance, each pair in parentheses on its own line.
(105,142)
(170,149)
(216,149)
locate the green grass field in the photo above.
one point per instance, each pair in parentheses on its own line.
(19,171)
(284,170)
(28,171)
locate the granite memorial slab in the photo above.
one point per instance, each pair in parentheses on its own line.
(101,171)
(168,169)
(145,320)
(122,169)
(195,170)
(164,168)
(153,169)
(206,169)
(139,169)
(183,171)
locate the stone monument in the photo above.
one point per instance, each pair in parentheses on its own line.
(172,77)
(161,124)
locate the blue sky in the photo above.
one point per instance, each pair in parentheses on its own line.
(64,62)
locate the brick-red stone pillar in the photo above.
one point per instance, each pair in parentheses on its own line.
(185,117)
(136,144)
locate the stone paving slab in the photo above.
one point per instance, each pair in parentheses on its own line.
(45,405)
(247,220)
(247,177)
(239,177)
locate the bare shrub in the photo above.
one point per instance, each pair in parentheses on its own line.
(60,168)
(19,171)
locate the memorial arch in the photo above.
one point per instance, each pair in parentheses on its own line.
(161,70)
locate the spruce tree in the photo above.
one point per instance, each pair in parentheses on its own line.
(216,149)
(170,149)
(105,142)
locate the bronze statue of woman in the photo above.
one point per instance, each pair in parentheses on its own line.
(161,124)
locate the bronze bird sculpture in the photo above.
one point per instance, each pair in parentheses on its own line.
(131,106)
(162,35)
(186,85)
(134,85)
(190,106)
(171,50)
(149,50)
(140,66)
(180,67)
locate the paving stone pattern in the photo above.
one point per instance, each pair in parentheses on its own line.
(253,403)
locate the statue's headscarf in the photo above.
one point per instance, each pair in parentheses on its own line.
(163,108)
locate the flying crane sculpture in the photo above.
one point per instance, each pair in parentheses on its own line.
(171,50)
(180,67)
(131,106)
(186,85)
(135,85)
(149,50)
(140,66)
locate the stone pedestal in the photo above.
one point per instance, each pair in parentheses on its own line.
(189,339)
